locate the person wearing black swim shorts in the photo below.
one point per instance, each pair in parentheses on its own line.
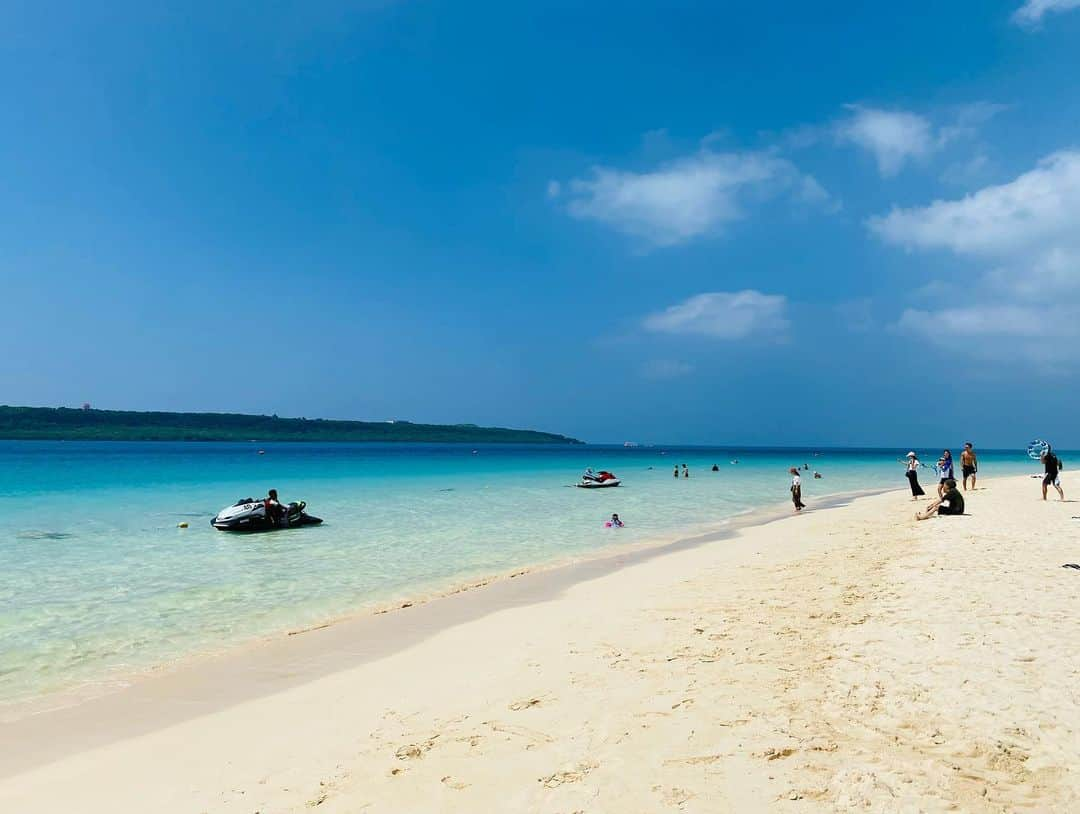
(1052,466)
(969,465)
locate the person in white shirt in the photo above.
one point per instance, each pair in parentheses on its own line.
(913,464)
(796,489)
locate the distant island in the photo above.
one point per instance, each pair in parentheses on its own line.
(67,424)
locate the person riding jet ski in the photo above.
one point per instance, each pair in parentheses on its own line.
(268,514)
(274,510)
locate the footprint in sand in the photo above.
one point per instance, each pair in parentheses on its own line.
(674,796)
(696,760)
(528,703)
(777,754)
(531,735)
(411,751)
(574,775)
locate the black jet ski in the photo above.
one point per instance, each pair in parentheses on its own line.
(251,515)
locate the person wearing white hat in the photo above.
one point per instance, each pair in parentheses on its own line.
(913,465)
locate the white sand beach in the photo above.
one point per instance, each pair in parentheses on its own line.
(845,659)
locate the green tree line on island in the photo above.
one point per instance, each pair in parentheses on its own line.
(67,424)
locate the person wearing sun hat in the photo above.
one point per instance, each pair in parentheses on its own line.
(796,489)
(913,465)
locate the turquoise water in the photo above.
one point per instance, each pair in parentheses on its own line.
(98,582)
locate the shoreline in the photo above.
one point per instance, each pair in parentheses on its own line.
(64,710)
(118,681)
(844,658)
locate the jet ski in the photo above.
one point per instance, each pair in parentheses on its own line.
(250,514)
(599,480)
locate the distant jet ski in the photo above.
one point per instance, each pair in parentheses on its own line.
(251,515)
(597,480)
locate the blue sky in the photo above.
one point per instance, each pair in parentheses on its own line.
(700,223)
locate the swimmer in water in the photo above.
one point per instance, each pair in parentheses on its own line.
(616,523)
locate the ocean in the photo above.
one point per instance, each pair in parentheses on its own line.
(98,582)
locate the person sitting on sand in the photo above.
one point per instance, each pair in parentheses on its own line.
(950,502)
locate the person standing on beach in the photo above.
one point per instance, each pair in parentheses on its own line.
(913,464)
(796,489)
(945,471)
(969,465)
(1052,466)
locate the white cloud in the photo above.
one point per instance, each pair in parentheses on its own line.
(893,136)
(966,120)
(1054,271)
(554,188)
(1024,239)
(666,369)
(1030,14)
(1042,337)
(724,315)
(1037,211)
(898,137)
(968,171)
(967,322)
(688,198)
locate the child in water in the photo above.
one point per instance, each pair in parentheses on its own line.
(615,522)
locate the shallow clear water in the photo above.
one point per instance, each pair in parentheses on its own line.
(97,580)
